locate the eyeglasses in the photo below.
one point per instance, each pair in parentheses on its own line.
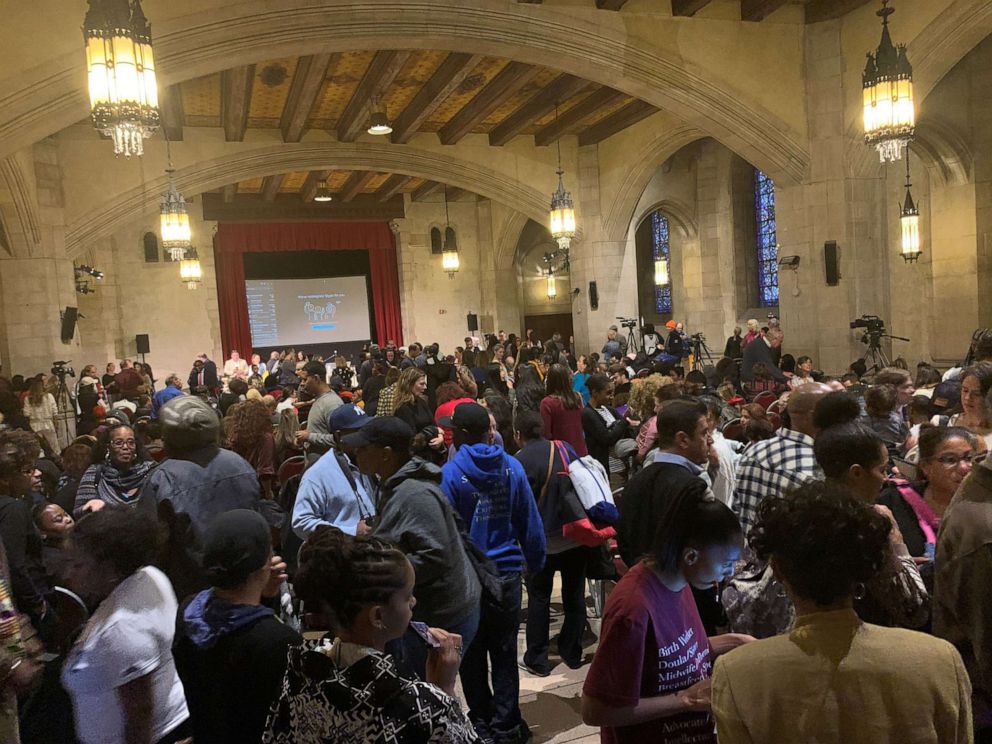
(124,443)
(951,461)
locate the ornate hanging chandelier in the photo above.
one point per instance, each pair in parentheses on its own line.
(177,236)
(909,219)
(562,219)
(190,271)
(449,256)
(121,70)
(889,113)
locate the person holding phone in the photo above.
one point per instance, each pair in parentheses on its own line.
(348,689)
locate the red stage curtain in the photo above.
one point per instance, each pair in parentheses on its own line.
(234,239)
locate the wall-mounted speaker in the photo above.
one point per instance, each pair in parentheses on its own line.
(69,324)
(473,322)
(831,263)
(593,296)
(141,344)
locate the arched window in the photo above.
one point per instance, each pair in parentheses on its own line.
(767,243)
(660,250)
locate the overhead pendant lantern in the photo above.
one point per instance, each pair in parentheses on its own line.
(121,69)
(661,278)
(190,271)
(909,219)
(378,121)
(323,193)
(450,261)
(889,112)
(552,285)
(562,219)
(177,236)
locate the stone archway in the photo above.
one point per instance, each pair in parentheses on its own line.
(134,203)
(669,67)
(19,222)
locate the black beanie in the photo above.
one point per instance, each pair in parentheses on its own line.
(236,544)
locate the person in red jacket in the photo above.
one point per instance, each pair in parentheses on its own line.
(561,410)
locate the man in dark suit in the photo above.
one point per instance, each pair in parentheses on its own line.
(760,350)
(204,375)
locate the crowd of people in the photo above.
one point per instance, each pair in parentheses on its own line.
(785,555)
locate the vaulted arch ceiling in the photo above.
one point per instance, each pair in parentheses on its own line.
(668,63)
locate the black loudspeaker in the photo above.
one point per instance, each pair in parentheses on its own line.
(830,263)
(141,342)
(473,322)
(69,324)
(593,296)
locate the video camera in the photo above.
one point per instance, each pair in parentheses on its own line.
(697,337)
(61,369)
(627,322)
(871,324)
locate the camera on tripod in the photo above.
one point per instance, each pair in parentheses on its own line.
(62,370)
(627,322)
(871,324)
(698,337)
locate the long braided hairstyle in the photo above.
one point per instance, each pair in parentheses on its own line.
(341,574)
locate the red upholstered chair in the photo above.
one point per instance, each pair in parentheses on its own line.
(776,420)
(733,429)
(777,407)
(289,468)
(276,393)
(766,399)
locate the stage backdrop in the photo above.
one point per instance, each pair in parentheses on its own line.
(235,239)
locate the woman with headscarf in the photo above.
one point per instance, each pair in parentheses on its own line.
(120,467)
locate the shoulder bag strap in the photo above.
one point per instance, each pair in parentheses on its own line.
(551,464)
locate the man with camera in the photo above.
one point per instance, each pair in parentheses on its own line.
(615,343)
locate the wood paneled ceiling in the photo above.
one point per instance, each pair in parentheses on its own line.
(345,185)
(449,94)
(751,10)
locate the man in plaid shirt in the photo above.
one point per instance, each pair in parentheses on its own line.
(777,465)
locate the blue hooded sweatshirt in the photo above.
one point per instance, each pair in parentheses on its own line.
(489,489)
(209,618)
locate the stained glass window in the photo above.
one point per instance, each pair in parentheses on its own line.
(659,244)
(767,243)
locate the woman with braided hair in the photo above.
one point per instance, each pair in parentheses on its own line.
(348,691)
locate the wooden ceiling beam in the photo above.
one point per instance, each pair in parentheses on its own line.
(173,119)
(271,185)
(235,86)
(627,116)
(392,186)
(288,208)
(355,185)
(610,4)
(381,73)
(759,10)
(455,193)
(230,191)
(561,88)
(577,115)
(422,192)
(448,76)
(501,88)
(827,10)
(308,81)
(688,7)
(311,184)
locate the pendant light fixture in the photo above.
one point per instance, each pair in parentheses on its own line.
(449,256)
(177,236)
(552,286)
(889,112)
(190,271)
(121,70)
(562,218)
(378,121)
(909,219)
(323,193)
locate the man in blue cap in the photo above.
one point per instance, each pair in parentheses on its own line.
(332,490)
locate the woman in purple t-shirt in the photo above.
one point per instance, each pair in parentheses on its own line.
(649,680)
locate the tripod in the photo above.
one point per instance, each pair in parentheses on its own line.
(65,419)
(875,358)
(632,342)
(699,351)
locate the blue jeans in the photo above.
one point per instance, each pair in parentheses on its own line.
(410,651)
(495,710)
